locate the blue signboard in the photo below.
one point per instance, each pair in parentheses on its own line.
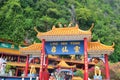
(65,47)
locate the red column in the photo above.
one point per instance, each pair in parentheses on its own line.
(16,73)
(46,73)
(18,58)
(85,60)
(27,65)
(42,60)
(107,67)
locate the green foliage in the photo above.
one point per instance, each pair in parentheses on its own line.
(18,18)
(79,73)
(115,71)
(7,68)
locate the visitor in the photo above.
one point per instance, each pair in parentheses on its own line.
(60,77)
(52,77)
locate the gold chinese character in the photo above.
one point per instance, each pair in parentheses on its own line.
(76,48)
(53,49)
(64,49)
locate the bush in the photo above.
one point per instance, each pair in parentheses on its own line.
(78,73)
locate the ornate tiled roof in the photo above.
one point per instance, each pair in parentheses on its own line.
(32,49)
(93,48)
(63,64)
(66,33)
(99,48)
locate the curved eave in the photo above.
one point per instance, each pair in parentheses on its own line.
(32,49)
(31,52)
(65,37)
(23,65)
(63,64)
(99,48)
(9,51)
(68,33)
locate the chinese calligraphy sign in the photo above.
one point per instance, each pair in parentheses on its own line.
(65,47)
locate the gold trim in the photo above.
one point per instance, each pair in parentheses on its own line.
(36,29)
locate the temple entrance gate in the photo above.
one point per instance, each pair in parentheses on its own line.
(68,41)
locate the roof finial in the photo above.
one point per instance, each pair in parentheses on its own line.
(99,40)
(53,27)
(60,25)
(36,29)
(20,46)
(91,27)
(76,26)
(113,44)
(70,24)
(34,42)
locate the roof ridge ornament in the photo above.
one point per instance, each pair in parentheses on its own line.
(36,29)
(91,27)
(98,40)
(34,42)
(77,26)
(20,46)
(113,45)
(53,27)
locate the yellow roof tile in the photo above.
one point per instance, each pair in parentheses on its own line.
(35,47)
(99,46)
(63,64)
(94,46)
(64,31)
(77,78)
(23,64)
(9,51)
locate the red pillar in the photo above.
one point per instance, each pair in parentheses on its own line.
(16,73)
(46,73)
(107,67)
(42,60)
(18,58)
(85,60)
(27,65)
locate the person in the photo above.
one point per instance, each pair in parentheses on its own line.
(67,76)
(60,77)
(52,77)
(56,75)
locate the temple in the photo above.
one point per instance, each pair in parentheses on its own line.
(71,42)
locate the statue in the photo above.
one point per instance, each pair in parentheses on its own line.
(70,24)
(97,74)
(32,72)
(97,71)
(2,66)
(72,57)
(60,25)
